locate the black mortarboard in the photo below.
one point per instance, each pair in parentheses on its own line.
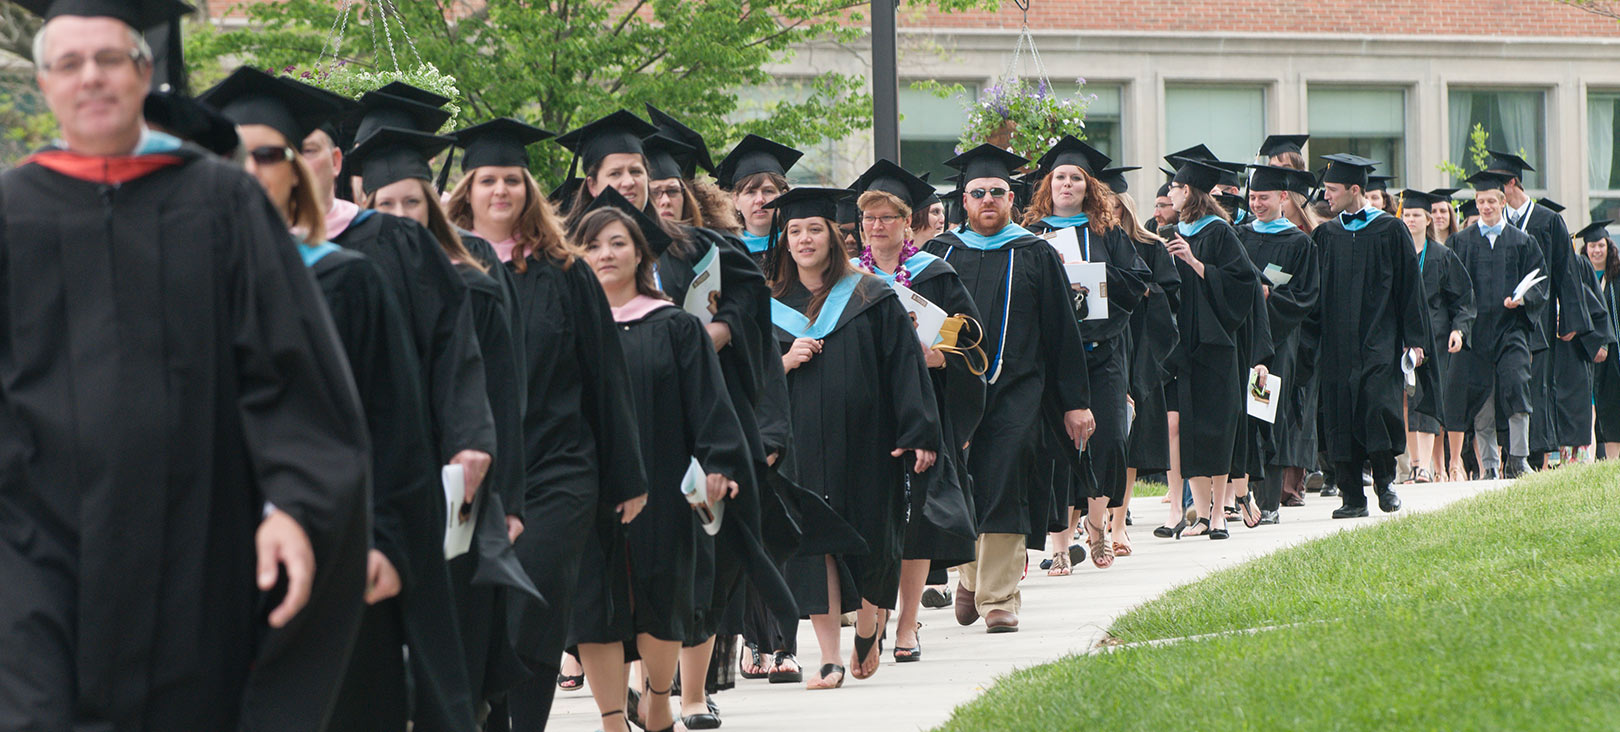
(1114,178)
(379,109)
(848,212)
(1595,231)
(673,129)
(803,203)
(889,178)
(189,119)
(610,197)
(1164,190)
(1198,174)
(1231,173)
(1444,193)
(251,97)
(1275,145)
(137,14)
(1274,178)
(933,193)
(1551,205)
(563,196)
(752,156)
(1347,169)
(414,93)
(620,132)
(1486,180)
(1468,209)
(1230,202)
(1379,182)
(1502,162)
(1071,151)
(986,161)
(667,157)
(1196,152)
(500,142)
(1420,199)
(393,154)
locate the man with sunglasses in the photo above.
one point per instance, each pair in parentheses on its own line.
(183,481)
(1037,380)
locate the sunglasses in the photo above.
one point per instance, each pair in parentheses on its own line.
(993,192)
(271,154)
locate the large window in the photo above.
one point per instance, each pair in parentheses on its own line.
(929,129)
(1602,156)
(1231,120)
(816,168)
(1102,115)
(1515,120)
(1360,121)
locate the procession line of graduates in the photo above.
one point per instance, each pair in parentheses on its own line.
(362,336)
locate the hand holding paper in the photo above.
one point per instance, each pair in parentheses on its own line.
(1519,291)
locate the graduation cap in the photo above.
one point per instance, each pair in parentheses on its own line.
(562,196)
(1071,151)
(1502,162)
(620,132)
(1230,202)
(1468,209)
(1551,205)
(501,142)
(1275,145)
(1347,169)
(933,193)
(656,237)
(414,93)
(986,161)
(672,128)
(1276,178)
(393,154)
(1419,199)
(189,119)
(890,178)
(1114,178)
(667,157)
(1198,174)
(1231,173)
(804,203)
(752,156)
(251,97)
(848,212)
(1444,193)
(379,109)
(1379,182)
(1595,231)
(1486,180)
(1196,152)
(137,14)
(1164,190)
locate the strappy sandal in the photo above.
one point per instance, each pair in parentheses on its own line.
(616,712)
(570,683)
(1102,555)
(828,669)
(913,653)
(1248,510)
(779,676)
(651,692)
(1122,549)
(757,662)
(1201,524)
(1060,566)
(1421,475)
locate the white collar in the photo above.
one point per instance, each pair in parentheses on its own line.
(1520,213)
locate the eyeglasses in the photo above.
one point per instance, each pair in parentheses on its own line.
(661,193)
(105,60)
(993,192)
(885,220)
(271,154)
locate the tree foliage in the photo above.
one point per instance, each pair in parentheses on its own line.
(561,63)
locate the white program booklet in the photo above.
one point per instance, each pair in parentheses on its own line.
(1094,277)
(694,485)
(1262,398)
(1067,244)
(1277,276)
(925,316)
(458,525)
(1530,280)
(703,297)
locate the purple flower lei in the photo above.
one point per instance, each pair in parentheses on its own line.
(901,274)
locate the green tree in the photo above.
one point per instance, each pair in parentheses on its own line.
(561,63)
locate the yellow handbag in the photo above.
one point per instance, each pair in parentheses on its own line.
(952,340)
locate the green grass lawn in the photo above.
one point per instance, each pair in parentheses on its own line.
(1499,613)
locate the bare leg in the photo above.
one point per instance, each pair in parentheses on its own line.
(913,575)
(826,627)
(1218,485)
(694,675)
(658,661)
(1117,515)
(1454,443)
(870,621)
(604,672)
(1202,497)
(1425,447)
(1611,450)
(1173,478)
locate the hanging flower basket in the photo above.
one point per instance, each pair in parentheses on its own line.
(351,81)
(1025,118)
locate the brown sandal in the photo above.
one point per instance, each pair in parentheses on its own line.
(1060,564)
(1122,550)
(1102,554)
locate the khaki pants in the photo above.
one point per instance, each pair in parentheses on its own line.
(993,577)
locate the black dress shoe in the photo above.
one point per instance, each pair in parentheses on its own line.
(933,598)
(1517,467)
(1314,481)
(1329,491)
(701,721)
(1348,511)
(1388,502)
(1269,517)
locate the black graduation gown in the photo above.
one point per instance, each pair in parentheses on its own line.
(1102,464)
(1503,340)
(940,525)
(581,444)
(1449,296)
(683,412)
(497,270)
(1209,364)
(1030,334)
(1291,440)
(1153,339)
(434,301)
(408,513)
(864,395)
(1606,375)
(1372,311)
(1564,311)
(489,578)
(1571,389)
(169,368)
(1254,345)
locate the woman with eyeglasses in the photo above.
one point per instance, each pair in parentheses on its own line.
(1219,287)
(407,586)
(1069,196)
(862,420)
(941,527)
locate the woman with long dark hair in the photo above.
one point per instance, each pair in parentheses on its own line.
(1449,296)
(1604,260)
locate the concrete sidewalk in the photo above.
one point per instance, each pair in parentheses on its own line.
(1061,616)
